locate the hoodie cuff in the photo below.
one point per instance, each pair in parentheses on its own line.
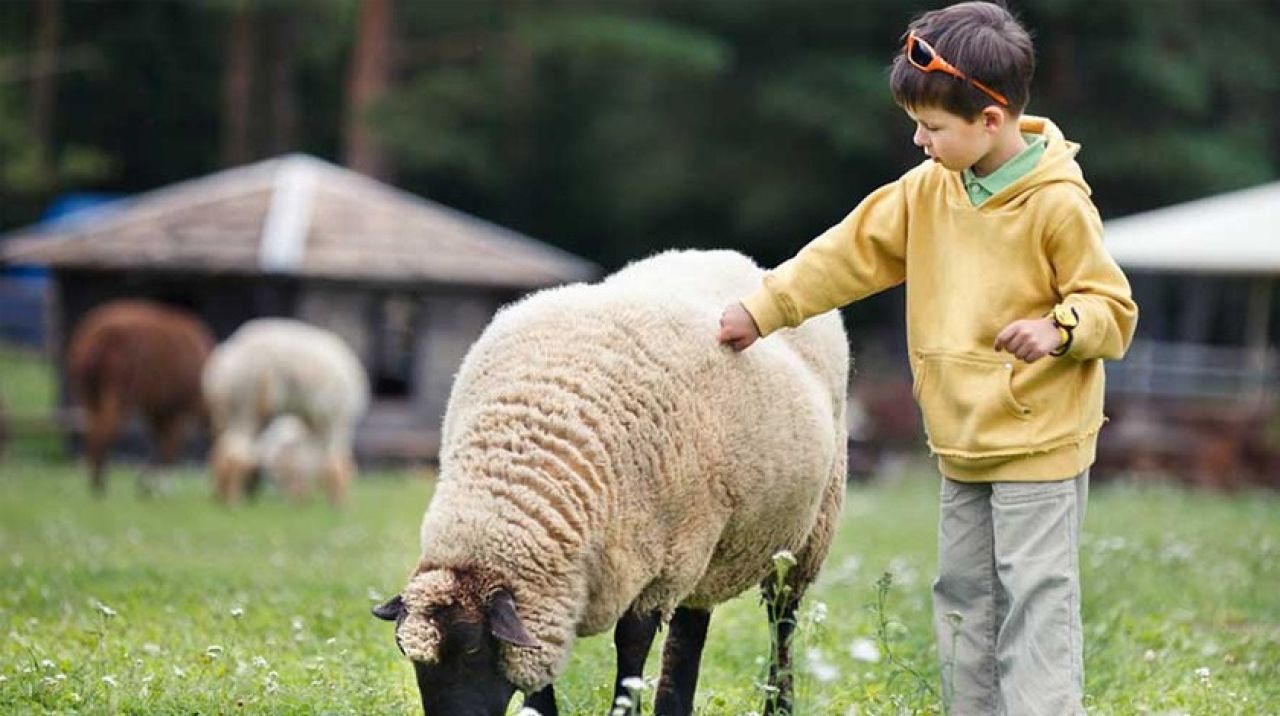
(764,311)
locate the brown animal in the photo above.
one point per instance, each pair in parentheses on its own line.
(137,357)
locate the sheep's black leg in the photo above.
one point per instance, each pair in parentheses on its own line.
(632,637)
(680,661)
(782,624)
(542,701)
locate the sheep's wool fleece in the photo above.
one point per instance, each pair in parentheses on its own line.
(274,366)
(601,451)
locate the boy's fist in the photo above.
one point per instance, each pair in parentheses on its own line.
(1029,339)
(737,327)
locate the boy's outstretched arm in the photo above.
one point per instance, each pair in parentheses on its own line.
(863,254)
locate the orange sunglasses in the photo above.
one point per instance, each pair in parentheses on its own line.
(923,57)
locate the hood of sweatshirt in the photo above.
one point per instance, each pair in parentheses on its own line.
(1058,164)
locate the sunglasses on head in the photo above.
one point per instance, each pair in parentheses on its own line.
(923,57)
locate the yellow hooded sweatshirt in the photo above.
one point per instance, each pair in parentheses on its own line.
(971,271)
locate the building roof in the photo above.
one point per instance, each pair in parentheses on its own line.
(297,216)
(1233,233)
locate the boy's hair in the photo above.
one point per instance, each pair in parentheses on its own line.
(981,39)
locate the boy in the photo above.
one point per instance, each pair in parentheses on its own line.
(1012,303)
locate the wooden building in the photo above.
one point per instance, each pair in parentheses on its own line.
(407,282)
(1199,391)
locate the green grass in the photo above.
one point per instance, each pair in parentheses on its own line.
(26,381)
(175,605)
(28,397)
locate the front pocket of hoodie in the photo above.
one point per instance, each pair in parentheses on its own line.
(969,406)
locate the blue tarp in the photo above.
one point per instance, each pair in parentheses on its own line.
(24,290)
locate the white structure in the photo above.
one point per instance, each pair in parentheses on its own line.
(1205,264)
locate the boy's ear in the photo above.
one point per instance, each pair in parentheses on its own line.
(993,118)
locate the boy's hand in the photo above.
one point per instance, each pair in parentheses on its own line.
(1029,339)
(738,328)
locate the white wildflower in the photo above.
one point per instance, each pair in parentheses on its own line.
(1203,672)
(634,684)
(271,684)
(213,651)
(151,649)
(297,623)
(260,662)
(47,664)
(821,669)
(864,650)
(237,612)
(784,560)
(819,612)
(110,680)
(3,678)
(1149,655)
(179,672)
(106,611)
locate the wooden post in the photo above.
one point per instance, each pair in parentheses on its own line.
(1257,328)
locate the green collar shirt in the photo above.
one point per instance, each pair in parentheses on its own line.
(980,189)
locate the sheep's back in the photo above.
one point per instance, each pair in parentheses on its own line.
(291,367)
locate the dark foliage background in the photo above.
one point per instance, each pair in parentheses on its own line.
(614,128)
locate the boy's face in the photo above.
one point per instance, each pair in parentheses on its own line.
(951,140)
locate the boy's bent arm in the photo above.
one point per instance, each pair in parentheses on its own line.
(1092,284)
(863,254)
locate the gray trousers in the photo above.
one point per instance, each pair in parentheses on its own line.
(1006,603)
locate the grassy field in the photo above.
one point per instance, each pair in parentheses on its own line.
(177,605)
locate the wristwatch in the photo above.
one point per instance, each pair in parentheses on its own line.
(1066,319)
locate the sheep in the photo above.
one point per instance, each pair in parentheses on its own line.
(605,462)
(276,366)
(134,356)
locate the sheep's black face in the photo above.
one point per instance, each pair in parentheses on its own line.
(466,677)
(467,680)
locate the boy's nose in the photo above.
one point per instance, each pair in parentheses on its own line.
(917,138)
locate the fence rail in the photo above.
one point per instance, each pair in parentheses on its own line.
(1189,370)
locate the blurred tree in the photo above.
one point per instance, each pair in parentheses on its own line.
(369,78)
(617,128)
(44,68)
(237,85)
(33,162)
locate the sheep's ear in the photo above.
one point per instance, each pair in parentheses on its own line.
(390,610)
(505,624)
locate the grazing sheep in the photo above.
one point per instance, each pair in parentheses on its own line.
(133,356)
(272,367)
(606,462)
